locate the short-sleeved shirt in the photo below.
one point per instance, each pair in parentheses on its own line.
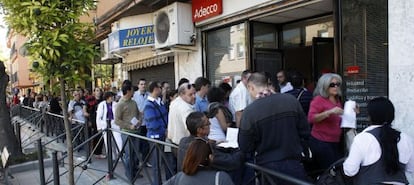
(239,99)
(76,107)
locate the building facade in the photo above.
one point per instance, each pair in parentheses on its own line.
(365,41)
(21,76)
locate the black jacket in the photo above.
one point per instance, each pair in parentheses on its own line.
(274,128)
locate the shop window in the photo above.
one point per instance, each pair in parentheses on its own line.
(225,53)
(264,35)
(240,50)
(364,36)
(232,52)
(240,27)
(301,33)
(324,29)
(291,37)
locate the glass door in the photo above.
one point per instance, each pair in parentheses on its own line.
(322,57)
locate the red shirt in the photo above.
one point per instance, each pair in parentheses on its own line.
(16,100)
(328,129)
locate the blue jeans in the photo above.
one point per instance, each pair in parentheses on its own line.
(156,160)
(130,157)
(293,168)
(172,163)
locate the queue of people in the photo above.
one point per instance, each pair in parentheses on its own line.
(279,126)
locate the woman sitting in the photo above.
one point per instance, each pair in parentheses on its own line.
(196,167)
(380,154)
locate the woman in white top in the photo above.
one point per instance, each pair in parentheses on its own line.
(105,112)
(220,116)
(380,154)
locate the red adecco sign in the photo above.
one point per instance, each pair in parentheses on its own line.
(204,9)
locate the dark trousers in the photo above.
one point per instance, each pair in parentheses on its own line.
(143,144)
(324,153)
(247,172)
(172,164)
(293,168)
(95,142)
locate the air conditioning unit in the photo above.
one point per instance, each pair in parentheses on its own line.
(104,48)
(173,25)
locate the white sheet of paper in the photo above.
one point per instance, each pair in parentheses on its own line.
(349,116)
(134,121)
(231,139)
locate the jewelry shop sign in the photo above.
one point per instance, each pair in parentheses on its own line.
(131,38)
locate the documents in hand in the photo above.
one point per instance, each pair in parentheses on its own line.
(134,121)
(231,139)
(349,116)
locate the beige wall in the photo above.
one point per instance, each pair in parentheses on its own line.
(103,7)
(21,64)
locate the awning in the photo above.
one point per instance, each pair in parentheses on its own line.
(27,86)
(149,62)
(108,61)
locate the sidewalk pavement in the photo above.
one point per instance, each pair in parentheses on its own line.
(93,173)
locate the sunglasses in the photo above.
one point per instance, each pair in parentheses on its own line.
(335,84)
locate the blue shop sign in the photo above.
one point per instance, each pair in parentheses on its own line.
(132,38)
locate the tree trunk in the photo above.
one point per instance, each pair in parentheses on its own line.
(7,137)
(68,127)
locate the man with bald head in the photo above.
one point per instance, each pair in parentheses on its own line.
(273,128)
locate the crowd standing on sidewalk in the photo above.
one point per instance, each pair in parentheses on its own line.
(281,126)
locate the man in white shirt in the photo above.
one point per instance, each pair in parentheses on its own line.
(240,98)
(284,84)
(180,108)
(139,97)
(77,108)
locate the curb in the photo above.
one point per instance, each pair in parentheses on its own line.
(31,165)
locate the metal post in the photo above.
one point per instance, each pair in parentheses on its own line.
(41,164)
(157,150)
(56,176)
(87,146)
(18,135)
(109,151)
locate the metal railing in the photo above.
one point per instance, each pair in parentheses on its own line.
(53,126)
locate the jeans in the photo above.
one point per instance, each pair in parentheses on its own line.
(131,161)
(292,168)
(156,161)
(172,163)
